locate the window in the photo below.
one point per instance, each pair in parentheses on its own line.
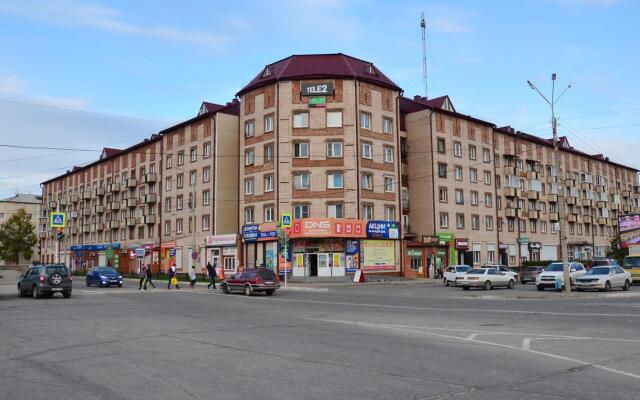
(268,183)
(178,225)
(248,215)
(205,222)
(488,200)
(475,222)
(389,213)
(301,180)
(443,194)
(179,202)
(301,211)
(459,196)
(167,183)
(388,154)
(511,224)
(334,180)
(472,152)
(500,223)
(194,153)
(334,149)
(488,222)
(301,150)
(268,213)
(444,220)
(476,257)
(522,225)
(168,160)
(388,183)
(457,149)
(167,228)
(487,177)
(387,125)
(206,150)
(441,146)
(367,181)
(193,177)
(249,129)
(365,120)
(460,221)
(543,227)
(474,198)
(180,180)
(268,152)
(248,186)
(206,171)
(180,157)
(205,197)
(366,150)
(167,204)
(458,172)
(268,123)
(473,175)
(367,211)
(335,210)
(301,119)
(442,170)
(486,155)
(334,119)
(248,157)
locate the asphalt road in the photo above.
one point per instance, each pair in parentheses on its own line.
(368,342)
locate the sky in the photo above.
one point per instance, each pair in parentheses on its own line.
(91,74)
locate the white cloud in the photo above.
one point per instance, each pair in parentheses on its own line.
(16,89)
(92,15)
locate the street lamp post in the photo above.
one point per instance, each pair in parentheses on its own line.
(561,189)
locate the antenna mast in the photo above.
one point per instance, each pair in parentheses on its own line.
(423,26)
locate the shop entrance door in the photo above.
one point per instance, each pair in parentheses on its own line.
(338,264)
(215,257)
(312,259)
(324,264)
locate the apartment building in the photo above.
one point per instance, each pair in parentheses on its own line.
(320,141)
(115,205)
(31,204)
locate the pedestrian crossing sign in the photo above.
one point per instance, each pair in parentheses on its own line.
(285,220)
(58,220)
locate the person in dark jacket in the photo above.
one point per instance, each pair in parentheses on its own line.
(171,273)
(153,285)
(211,269)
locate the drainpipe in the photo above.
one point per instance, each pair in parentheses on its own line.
(495,191)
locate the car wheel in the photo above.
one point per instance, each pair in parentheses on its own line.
(607,286)
(270,292)
(627,285)
(511,284)
(20,292)
(523,282)
(446,282)
(540,287)
(580,290)
(35,292)
(119,284)
(225,289)
(465,288)
(66,294)
(87,282)
(247,290)
(487,285)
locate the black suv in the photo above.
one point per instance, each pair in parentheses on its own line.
(45,280)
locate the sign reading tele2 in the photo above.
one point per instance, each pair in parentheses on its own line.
(317,89)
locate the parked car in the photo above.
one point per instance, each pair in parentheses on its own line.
(486,278)
(604,278)
(547,278)
(453,273)
(602,262)
(529,274)
(103,276)
(45,280)
(505,269)
(252,281)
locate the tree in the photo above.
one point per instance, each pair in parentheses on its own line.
(17,236)
(616,251)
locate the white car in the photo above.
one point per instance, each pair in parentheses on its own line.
(454,273)
(505,269)
(604,278)
(547,278)
(486,278)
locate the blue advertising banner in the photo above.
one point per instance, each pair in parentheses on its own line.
(352,255)
(172,252)
(75,247)
(250,232)
(383,229)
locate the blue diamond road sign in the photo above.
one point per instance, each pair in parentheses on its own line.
(58,220)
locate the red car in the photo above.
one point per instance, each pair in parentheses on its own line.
(252,281)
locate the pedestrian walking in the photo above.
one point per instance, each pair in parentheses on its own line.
(142,273)
(173,280)
(211,269)
(192,276)
(148,279)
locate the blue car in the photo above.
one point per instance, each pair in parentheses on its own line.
(103,276)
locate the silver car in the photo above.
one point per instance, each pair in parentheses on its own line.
(604,278)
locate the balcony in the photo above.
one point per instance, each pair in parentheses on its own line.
(99,191)
(52,204)
(585,186)
(150,177)
(74,198)
(86,212)
(510,171)
(569,182)
(533,214)
(600,189)
(149,219)
(123,224)
(130,222)
(533,195)
(114,224)
(130,203)
(626,209)
(114,187)
(552,198)
(510,192)
(98,209)
(43,235)
(552,179)
(131,183)
(510,212)
(602,221)
(626,193)
(601,204)
(554,217)
(99,226)
(588,219)
(86,228)
(571,201)
(615,207)
(405,203)
(114,205)
(532,175)
(150,198)
(86,195)
(64,201)
(586,203)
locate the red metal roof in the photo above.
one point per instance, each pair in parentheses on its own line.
(319,66)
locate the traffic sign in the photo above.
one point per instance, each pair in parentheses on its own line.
(58,220)
(285,220)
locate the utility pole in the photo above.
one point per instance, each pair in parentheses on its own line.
(193,216)
(423,26)
(561,197)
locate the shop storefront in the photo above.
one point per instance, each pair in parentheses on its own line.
(222,250)
(432,254)
(462,248)
(380,252)
(84,257)
(260,246)
(170,256)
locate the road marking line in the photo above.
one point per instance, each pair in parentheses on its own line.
(526,344)
(472,336)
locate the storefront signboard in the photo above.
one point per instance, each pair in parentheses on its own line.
(462,244)
(315,89)
(222,240)
(328,228)
(383,229)
(535,245)
(414,252)
(523,240)
(229,251)
(352,255)
(446,237)
(378,255)
(259,232)
(172,252)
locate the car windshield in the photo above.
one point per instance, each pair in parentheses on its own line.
(477,271)
(531,269)
(632,262)
(267,274)
(106,271)
(463,269)
(554,267)
(52,269)
(598,263)
(599,271)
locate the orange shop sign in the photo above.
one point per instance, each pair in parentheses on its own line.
(327,228)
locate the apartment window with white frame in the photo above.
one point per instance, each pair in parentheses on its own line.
(472,152)
(459,196)
(457,172)
(388,154)
(367,211)
(268,213)
(441,146)
(334,180)
(460,221)
(206,198)
(443,194)
(442,170)
(301,211)
(193,178)
(167,228)
(205,222)
(301,119)
(475,222)
(457,149)
(389,184)
(167,183)
(179,202)
(301,150)
(334,119)
(473,175)
(512,181)
(488,200)
(180,181)
(167,204)
(268,123)
(249,155)
(366,150)
(365,120)
(180,157)
(248,215)
(389,213)
(488,222)
(194,153)
(335,210)
(444,220)
(334,149)
(268,183)
(301,180)
(474,198)
(206,174)
(486,155)
(367,181)
(387,125)
(168,161)
(487,177)
(206,150)
(249,129)
(268,152)
(248,186)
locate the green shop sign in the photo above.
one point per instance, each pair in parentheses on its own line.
(317,101)
(414,252)
(446,237)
